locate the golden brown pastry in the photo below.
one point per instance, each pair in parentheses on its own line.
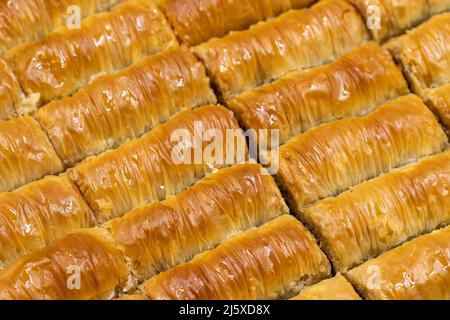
(39,213)
(163,234)
(83,265)
(134,296)
(293,41)
(417,270)
(438,100)
(125,105)
(157,164)
(196,21)
(337,288)
(424,53)
(382,213)
(67,60)
(10,92)
(388,18)
(28,20)
(25,153)
(329,159)
(353,85)
(274,261)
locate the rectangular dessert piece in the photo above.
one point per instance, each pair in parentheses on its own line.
(417,270)
(337,288)
(26,154)
(389,18)
(28,20)
(39,213)
(68,59)
(83,265)
(438,100)
(424,53)
(271,262)
(162,162)
(296,40)
(333,157)
(125,105)
(353,85)
(163,234)
(382,213)
(197,21)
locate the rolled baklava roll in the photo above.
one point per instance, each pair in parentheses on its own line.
(438,100)
(353,85)
(424,53)
(26,154)
(28,20)
(125,105)
(388,18)
(163,234)
(67,60)
(329,159)
(337,288)
(83,265)
(273,261)
(39,213)
(197,21)
(293,41)
(417,270)
(162,162)
(382,213)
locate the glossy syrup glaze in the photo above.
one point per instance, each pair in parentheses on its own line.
(125,105)
(163,234)
(329,159)
(197,21)
(28,20)
(382,213)
(417,270)
(39,213)
(273,261)
(296,40)
(424,53)
(156,165)
(67,60)
(352,85)
(82,265)
(397,16)
(26,154)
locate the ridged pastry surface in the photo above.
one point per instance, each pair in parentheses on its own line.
(197,21)
(28,20)
(39,213)
(125,105)
(397,16)
(25,153)
(67,60)
(270,262)
(382,213)
(10,92)
(51,273)
(353,85)
(417,270)
(337,288)
(160,235)
(156,165)
(295,40)
(438,100)
(329,159)
(424,53)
